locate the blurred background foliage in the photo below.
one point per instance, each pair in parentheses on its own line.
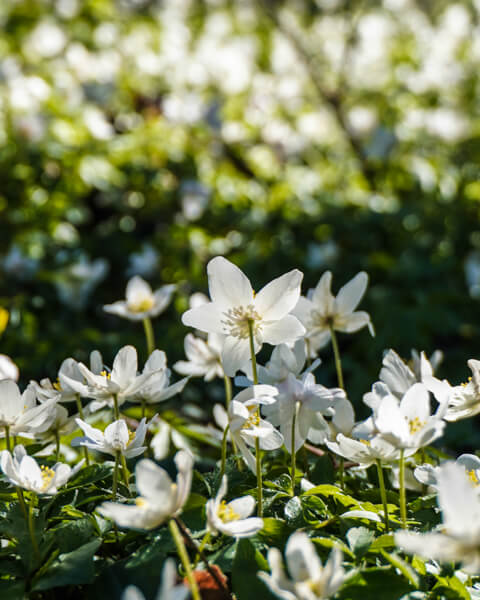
(145,137)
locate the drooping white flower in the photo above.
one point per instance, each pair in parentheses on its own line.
(459,537)
(168,590)
(235,308)
(23,471)
(246,425)
(8,369)
(20,412)
(204,357)
(306,401)
(141,302)
(366,451)
(115,438)
(310,579)
(428,474)
(321,310)
(159,498)
(232,518)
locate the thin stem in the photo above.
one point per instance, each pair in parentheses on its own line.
(341,468)
(403,503)
(147,325)
(228,398)
(31,530)
(57,446)
(258,455)
(338,362)
(224,451)
(116,411)
(125,472)
(203,543)
(7,438)
(21,501)
(115,476)
(383,494)
(80,412)
(252,352)
(293,453)
(182,553)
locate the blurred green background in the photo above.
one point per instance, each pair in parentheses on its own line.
(145,137)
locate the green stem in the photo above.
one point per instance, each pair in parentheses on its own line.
(228,399)
(258,455)
(80,413)
(338,362)
(182,553)
(403,503)
(293,453)
(341,468)
(7,438)
(224,451)
(116,411)
(31,529)
(57,446)
(252,352)
(21,501)
(115,476)
(203,543)
(383,494)
(147,325)
(125,472)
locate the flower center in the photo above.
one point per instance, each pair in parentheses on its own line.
(472,475)
(141,502)
(226,513)
(142,304)
(236,322)
(105,374)
(47,476)
(320,321)
(415,425)
(57,385)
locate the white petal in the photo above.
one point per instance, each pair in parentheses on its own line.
(351,293)
(11,405)
(279,297)
(458,500)
(287,329)
(302,560)
(120,309)
(243,506)
(322,296)
(124,366)
(235,354)
(137,291)
(116,435)
(227,284)
(162,298)
(207,317)
(353,322)
(153,482)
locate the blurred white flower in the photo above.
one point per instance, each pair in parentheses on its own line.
(77,281)
(141,302)
(116,438)
(232,518)
(8,369)
(464,399)
(168,590)
(203,357)
(160,498)
(428,474)
(20,413)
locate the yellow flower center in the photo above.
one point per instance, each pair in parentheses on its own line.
(142,305)
(466,383)
(236,322)
(472,475)
(365,442)
(226,513)
(47,476)
(415,425)
(105,374)
(141,502)
(57,385)
(316,587)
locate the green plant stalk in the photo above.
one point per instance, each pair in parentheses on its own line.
(115,475)
(57,446)
(341,468)
(383,494)
(403,503)
(21,501)
(336,354)
(125,472)
(203,543)
(293,453)
(116,411)
(224,451)
(80,412)
(31,530)
(258,455)
(149,335)
(228,398)
(7,438)
(182,553)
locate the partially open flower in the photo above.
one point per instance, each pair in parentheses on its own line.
(115,438)
(141,302)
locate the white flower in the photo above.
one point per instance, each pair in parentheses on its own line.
(307,401)
(320,310)
(20,412)
(459,537)
(160,498)
(115,438)
(203,357)
(59,423)
(408,423)
(164,433)
(141,302)
(365,452)
(157,388)
(310,580)
(246,425)
(235,307)
(343,421)
(168,590)
(8,369)
(465,398)
(232,518)
(428,474)
(23,471)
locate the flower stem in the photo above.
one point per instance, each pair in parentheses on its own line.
(338,362)
(31,530)
(7,438)
(224,451)
(147,325)
(341,467)
(228,399)
(383,494)
(125,472)
(203,543)
(293,453)
(403,503)
(258,455)
(57,446)
(182,553)
(80,413)
(21,501)
(116,412)
(115,476)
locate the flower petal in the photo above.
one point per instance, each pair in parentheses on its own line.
(227,284)
(235,354)
(280,296)
(207,317)
(351,293)
(287,329)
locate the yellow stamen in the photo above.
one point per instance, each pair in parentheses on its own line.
(226,513)
(415,425)
(472,475)
(141,502)
(142,305)
(105,374)
(47,476)
(58,386)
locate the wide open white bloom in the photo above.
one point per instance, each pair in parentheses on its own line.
(365,452)
(21,413)
(115,438)
(141,302)
(464,399)
(168,590)
(246,425)
(408,423)
(459,537)
(204,357)
(235,306)
(321,310)
(428,474)
(8,369)
(310,579)
(122,381)
(23,471)
(307,401)
(159,498)
(232,518)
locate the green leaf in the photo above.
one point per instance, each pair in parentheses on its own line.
(72,568)
(245,582)
(382,542)
(450,588)
(293,512)
(375,584)
(402,566)
(360,539)
(332,543)
(274,532)
(12,590)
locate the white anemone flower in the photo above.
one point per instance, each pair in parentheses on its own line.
(459,537)
(232,518)
(168,590)
(141,302)
(321,310)
(204,357)
(23,471)
(428,474)
(364,452)
(343,421)
(20,413)
(116,438)
(306,401)
(246,425)
(235,308)
(8,369)
(464,399)
(408,423)
(160,498)
(310,579)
